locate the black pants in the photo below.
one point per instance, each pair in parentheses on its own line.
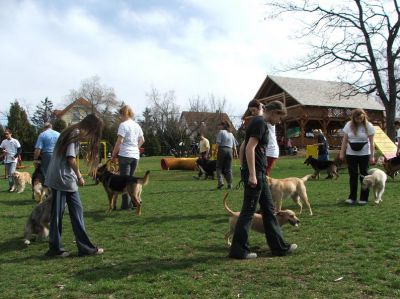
(224,165)
(357,165)
(273,233)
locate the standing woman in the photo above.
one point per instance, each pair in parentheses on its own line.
(226,150)
(11,149)
(358,145)
(272,148)
(130,139)
(63,177)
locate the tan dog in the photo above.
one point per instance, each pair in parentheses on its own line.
(283,217)
(289,187)
(39,191)
(20,180)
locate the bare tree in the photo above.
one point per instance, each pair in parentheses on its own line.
(101,97)
(358,36)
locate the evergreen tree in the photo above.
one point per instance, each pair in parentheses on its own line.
(59,125)
(43,114)
(21,129)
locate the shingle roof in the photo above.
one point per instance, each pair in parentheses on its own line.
(80,101)
(310,92)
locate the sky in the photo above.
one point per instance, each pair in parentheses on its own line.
(194,47)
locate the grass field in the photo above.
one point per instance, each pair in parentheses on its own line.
(176,249)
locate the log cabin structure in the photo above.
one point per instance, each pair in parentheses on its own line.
(316,104)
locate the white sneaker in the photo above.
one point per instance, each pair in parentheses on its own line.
(350,201)
(362,202)
(250,256)
(292,248)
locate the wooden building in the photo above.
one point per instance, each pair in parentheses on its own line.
(316,104)
(75,112)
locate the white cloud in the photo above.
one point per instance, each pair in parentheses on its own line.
(223,47)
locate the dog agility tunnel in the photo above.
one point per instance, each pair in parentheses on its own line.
(178,163)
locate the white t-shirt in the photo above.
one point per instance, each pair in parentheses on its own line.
(272,148)
(10,147)
(131,132)
(361,136)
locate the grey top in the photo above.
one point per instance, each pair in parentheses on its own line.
(225,138)
(60,175)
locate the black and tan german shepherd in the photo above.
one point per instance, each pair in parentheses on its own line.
(115,184)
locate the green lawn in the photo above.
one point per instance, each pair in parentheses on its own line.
(176,249)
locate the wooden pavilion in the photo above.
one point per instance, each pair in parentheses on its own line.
(316,104)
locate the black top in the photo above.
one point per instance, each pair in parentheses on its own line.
(258,129)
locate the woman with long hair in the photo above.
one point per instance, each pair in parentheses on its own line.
(63,177)
(358,146)
(130,139)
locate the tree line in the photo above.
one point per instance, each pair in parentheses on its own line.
(160,121)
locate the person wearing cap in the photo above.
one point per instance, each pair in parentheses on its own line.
(44,147)
(322,143)
(256,189)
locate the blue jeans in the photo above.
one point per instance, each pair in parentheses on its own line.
(10,169)
(127,166)
(323,156)
(273,233)
(60,198)
(44,164)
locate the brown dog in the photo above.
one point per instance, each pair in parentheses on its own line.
(392,166)
(289,187)
(115,184)
(20,180)
(283,217)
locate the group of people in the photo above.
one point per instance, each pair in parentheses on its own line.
(357,148)
(257,155)
(58,154)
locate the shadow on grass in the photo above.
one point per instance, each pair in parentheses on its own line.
(13,244)
(184,191)
(17,202)
(173,218)
(149,266)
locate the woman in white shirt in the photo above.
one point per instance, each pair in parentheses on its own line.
(130,139)
(272,152)
(358,146)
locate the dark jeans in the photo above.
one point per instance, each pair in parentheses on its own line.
(224,165)
(273,233)
(356,164)
(323,156)
(60,198)
(127,166)
(44,165)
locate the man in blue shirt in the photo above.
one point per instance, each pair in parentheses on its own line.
(45,145)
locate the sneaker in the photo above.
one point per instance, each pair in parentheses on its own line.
(97,252)
(350,201)
(220,186)
(51,253)
(292,248)
(229,187)
(362,202)
(250,256)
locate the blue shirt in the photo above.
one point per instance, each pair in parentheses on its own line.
(47,140)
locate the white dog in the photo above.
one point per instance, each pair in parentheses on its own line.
(376,179)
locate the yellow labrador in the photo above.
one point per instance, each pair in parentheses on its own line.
(289,187)
(20,180)
(283,217)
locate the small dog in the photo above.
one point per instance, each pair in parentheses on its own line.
(20,180)
(38,221)
(376,179)
(318,165)
(206,168)
(392,166)
(38,190)
(115,184)
(289,187)
(283,217)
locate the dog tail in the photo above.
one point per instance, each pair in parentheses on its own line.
(306,178)
(146,177)
(226,205)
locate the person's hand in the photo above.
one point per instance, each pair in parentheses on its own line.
(341,157)
(113,159)
(372,159)
(81,181)
(252,181)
